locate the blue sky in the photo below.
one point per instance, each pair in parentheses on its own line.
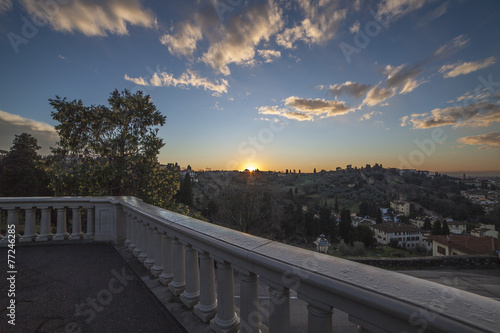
(267,84)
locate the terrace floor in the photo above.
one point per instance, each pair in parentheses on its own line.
(97,287)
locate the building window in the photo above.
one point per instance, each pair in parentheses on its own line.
(441,250)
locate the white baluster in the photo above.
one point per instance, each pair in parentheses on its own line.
(144,242)
(150,260)
(319,318)
(157,268)
(76,230)
(249,304)
(61,224)
(279,319)
(179,281)
(90,223)
(29,225)
(191,294)
(138,238)
(167,275)
(207,306)
(226,319)
(13,219)
(45,232)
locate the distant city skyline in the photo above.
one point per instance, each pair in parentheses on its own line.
(268,84)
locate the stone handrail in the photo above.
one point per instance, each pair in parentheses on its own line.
(179,250)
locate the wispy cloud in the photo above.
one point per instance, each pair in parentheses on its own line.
(395,9)
(368,116)
(318,106)
(480,114)
(485,141)
(434,14)
(16,120)
(269,55)
(462,68)
(353,89)
(355,27)
(321,22)
(377,95)
(93,17)
(284,112)
(187,79)
(403,78)
(451,47)
(13,124)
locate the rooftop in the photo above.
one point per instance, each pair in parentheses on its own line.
(469,244)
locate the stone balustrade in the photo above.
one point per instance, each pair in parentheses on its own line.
(181,251)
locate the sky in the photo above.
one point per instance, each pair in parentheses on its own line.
(272,85)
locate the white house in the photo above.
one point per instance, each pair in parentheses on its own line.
(408,237)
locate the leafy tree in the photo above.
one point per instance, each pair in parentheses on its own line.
(111,150)
(22,174)
(436,228)
(186,190)
(345,226)
(365,235)
(336,205)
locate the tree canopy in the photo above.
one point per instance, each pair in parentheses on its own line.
(21,172)
(110,150)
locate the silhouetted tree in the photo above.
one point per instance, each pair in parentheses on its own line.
(345,226)
(436,228)
(21,171)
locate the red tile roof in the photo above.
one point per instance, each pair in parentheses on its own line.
(469,244)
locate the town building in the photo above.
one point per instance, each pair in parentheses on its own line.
(463,245)
(408,237)
(457,227)
(485,230)
(401,207)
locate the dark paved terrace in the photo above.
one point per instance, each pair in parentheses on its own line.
(83,287)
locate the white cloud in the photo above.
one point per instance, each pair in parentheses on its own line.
(269,55)
(403,77)
(355,27)
(284,112)
(92,17)
(481,114)
(237,41)
(189,78)
(318,106)
(16,120)
(377,95)
(462,68)
(13,124)
(320,24)
(395,9)
(353,89)
(485,141)
(368,116)
(452,46)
